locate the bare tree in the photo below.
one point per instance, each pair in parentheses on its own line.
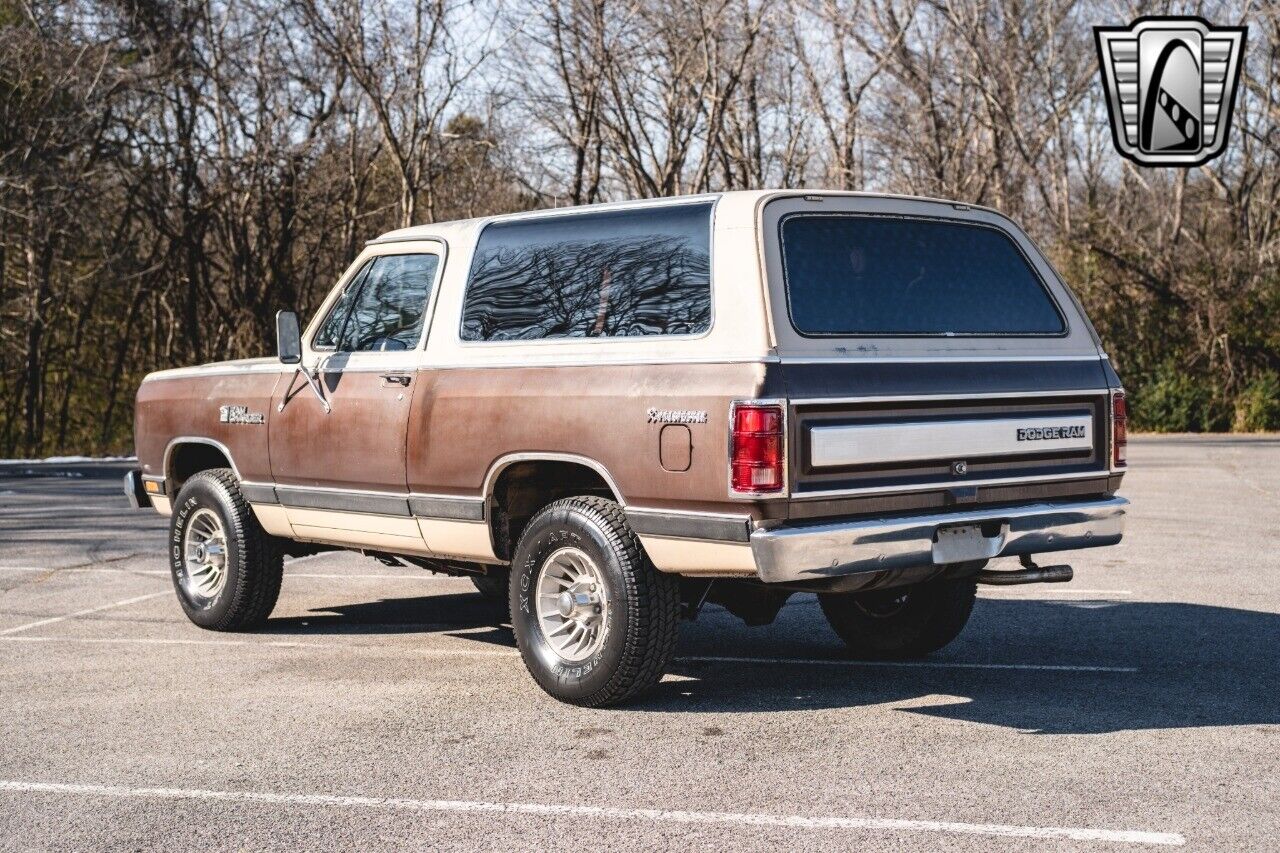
(839,71)
(411,68)
(171,173)
(558,67)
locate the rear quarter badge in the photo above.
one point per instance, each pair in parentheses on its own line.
(676,416)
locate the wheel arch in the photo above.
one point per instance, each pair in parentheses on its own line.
(187,455)
(518,485)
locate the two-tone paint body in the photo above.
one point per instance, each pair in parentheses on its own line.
(408,458)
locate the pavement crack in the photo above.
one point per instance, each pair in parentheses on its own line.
(34,579)
(94,563)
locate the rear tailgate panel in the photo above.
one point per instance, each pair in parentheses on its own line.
(1005,395)
(894,445)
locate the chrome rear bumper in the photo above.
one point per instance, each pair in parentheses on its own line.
(806,552)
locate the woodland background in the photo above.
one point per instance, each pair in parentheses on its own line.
(171,173)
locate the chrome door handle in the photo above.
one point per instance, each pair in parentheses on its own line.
(401,379)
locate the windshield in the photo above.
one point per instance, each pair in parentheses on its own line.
(859,275)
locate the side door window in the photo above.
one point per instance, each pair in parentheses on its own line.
(611,274)
(383,309)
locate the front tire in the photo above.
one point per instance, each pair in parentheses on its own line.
(905,622)
(226,569)
(595,621)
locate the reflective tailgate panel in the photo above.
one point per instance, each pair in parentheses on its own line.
(861,427)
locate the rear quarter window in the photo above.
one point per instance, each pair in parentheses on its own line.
(850,275)
(611,274)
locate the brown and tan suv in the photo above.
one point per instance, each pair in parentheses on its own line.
(632,409)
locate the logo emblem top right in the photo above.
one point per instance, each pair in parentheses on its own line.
(1171,86)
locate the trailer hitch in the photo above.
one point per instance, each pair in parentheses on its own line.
(1029,573)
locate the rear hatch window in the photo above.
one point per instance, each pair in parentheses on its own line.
(851,275)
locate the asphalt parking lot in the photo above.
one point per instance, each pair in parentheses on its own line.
(387,708)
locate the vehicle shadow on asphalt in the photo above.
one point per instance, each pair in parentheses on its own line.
(1145,665)
(1192,666)
(427,614)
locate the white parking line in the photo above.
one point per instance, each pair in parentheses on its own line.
(424,576)
(104,569)
(610,813)
(274,644)
(51,620)
(929,664)
(511,653)
(1049,592)
(144,641)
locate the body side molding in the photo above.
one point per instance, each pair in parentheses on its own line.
(445,507)
(339,501)
(259,493)
(690,525)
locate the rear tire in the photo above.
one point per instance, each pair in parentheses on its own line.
(606,628)
(226,569)
(906,622)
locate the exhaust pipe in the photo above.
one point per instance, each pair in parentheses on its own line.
(1029,573)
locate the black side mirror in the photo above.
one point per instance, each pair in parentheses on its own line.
(288,337)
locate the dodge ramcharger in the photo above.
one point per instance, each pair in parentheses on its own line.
(609,416)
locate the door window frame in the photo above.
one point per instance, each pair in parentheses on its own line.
(329,360)
(357,281)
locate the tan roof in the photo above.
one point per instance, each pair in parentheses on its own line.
(736,198)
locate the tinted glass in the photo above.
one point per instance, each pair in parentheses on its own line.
(384,307)
(866,275)
(331,330)
(614,274)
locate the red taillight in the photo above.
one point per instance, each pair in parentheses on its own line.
(756,449)
(1119,429)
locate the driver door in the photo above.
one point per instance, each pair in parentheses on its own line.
(340,473)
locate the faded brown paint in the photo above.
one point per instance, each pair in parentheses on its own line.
(442,434)
(360,444)
(446,430)
(188,406)
(465,419)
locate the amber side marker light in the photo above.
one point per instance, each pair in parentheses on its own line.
(756,455)
(151,487)
(1119,430)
